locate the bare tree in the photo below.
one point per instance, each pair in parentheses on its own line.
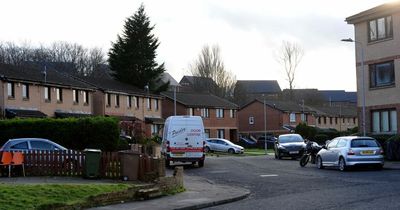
(290,55)
(209,68)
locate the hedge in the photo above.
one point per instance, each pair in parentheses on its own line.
(72,133)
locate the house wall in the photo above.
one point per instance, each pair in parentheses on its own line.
(212,122)
(36,100)
(286,119)
(3,95)
(374,53)
(98,103)
(342,124)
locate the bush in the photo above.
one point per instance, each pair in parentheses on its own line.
(307,132)
(392,148)
(72,133)
(321,138)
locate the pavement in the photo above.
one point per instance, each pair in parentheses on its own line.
(200,193)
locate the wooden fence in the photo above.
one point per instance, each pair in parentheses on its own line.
(72,163)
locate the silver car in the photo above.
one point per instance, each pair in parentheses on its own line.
(346,151)
(222,145)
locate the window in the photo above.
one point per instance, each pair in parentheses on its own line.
(86,97)
(333,143)
(22,145)
(380,28)
(205,113)
(129,101)
(75,95)
(108,98)
(40,145)
(190,110)
(384,121)
(148,103)
(25,91)
(136,102)
(155,129)
(10,90)
(381,74)
(156,104)
(303,117)
(251,120)
(336,120)
(232,113)
(221,133)
(59,95)
(116,100)
(325,120)
(220,113)
(330,120)
(292,117)
(207,133)
(342,143)
(319,120)
(47,94)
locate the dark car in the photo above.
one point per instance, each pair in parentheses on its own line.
(270,141)
(289,145)
(247,142)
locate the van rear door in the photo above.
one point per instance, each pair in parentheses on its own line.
(187,138)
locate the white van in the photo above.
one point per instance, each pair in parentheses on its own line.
(183,140)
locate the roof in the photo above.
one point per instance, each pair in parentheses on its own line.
(196,79)
(339,96)
(200,100)
(259,86)
(284,106)
(104,81)
(38,74)
(344,111)
(375,12)
(166,77)
(24,113)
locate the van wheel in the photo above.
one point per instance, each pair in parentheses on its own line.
(200,163)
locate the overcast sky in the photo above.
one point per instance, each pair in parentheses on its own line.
(249,33)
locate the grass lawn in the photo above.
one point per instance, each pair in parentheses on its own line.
(34,196)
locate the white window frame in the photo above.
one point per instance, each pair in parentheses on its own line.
(251,120)
(75,96)
(221,133)
(47,93)
(129,101)
(59,94)
(292,117)
(11,89)
(205,113)
(232,113)
(25,91)
(219,113)
(86,97)
(384,121)
(190,111)
(148,103)
(156,104)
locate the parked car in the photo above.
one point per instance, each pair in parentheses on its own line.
(270,141)
(247,142)
(29,144)
(222,145)
(343,152)
(289,145)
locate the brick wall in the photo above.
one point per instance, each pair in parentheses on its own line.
(274,118)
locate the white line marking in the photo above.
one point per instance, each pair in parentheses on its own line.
(268,175)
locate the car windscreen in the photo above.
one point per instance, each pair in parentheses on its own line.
(364,143)
(290,139)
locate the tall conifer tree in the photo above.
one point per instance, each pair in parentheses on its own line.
(132,56)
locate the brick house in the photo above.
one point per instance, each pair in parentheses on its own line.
(219,115)
(377,34)
(138,110)
(281,117)
(32,91)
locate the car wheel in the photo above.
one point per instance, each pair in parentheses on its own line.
(320,165)
(207,149)
(279,155)
(276,156)
(201,163)
(342,164)
(231,151)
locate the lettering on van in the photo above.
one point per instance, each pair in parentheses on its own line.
(176,133)
(195,132)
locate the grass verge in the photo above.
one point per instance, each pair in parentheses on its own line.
(48,196)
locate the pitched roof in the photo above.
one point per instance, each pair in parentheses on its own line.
(200,100)
(339,96)
(166,77)
(284,106)
(37,74)
(259,86)
(196,79)
(381,10)
(345,111)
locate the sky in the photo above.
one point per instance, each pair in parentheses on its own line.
(249,33)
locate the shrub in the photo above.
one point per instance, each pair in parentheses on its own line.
(321,138)
(306,131)
(392,148)
(72,133)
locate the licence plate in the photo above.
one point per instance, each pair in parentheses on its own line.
(294,152)
(178,154)
(367,152)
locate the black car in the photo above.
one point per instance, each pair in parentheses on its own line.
(271,140)
(289,145)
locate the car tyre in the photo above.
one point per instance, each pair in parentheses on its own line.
(342,164)
(231,151)
(320,165)
(279,155)
(207,149)
(200,163)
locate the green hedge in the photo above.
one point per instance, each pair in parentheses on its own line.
(72,133)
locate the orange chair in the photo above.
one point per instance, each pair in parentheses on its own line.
(17,160)
(6,160)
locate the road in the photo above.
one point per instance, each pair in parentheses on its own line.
(283,184)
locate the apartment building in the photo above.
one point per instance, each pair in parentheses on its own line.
(33,91)
(219,115)
(377,34)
